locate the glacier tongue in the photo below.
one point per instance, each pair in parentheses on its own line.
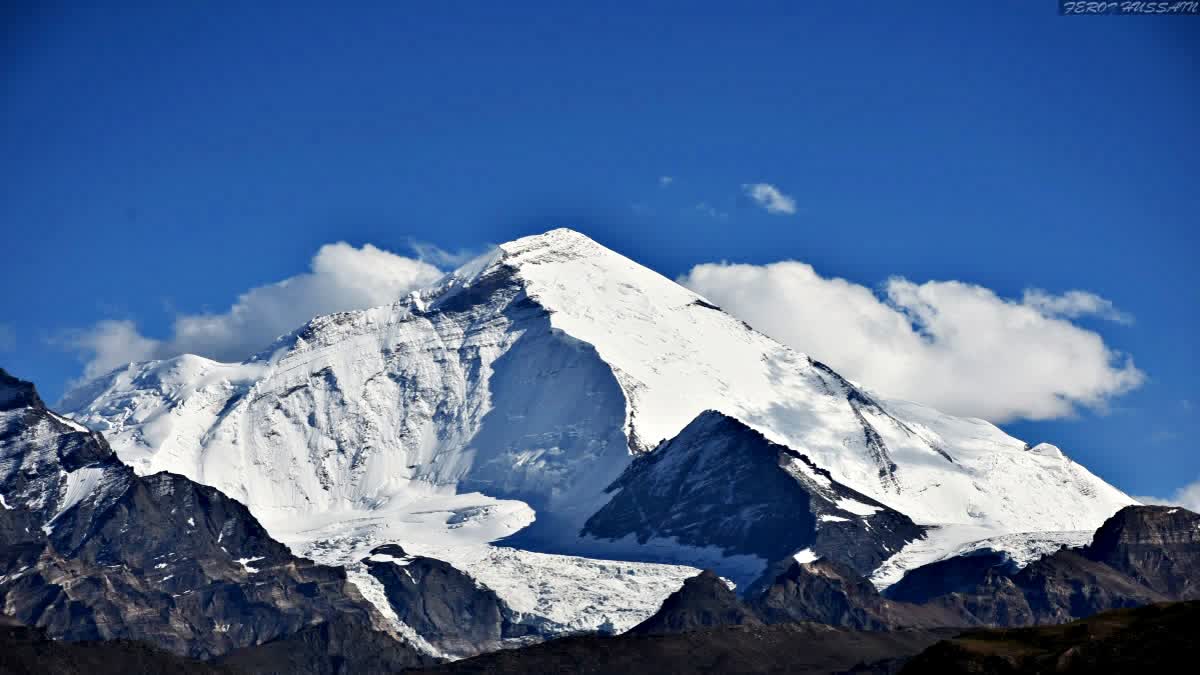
(513,392)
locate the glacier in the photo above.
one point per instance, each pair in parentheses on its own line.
(482,419)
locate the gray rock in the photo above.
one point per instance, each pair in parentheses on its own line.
(720,483)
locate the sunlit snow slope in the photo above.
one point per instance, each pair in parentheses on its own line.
(518,389)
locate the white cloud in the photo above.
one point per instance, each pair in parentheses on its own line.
(109,344)
(664,181)
(1187,496)
(8,338)
(342,278)
(770,198)
(955,346)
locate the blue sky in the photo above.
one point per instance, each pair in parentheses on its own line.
(165,160)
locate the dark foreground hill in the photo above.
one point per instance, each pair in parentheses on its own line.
(338,648)
(27,651)
(1155,638)
(784,648)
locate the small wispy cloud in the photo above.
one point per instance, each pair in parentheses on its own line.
(664,181)
(1074,304)
(711,211)
(8,338)
(1187,496)
(770,198)
(441,258)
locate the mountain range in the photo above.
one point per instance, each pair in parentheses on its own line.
(551,440)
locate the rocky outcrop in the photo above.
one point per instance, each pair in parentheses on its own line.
(721,484)
(91,551)
(449,609)
(959,574)
(1158,546)
(821,591)
(825,592)
(704,601)
(1142,555)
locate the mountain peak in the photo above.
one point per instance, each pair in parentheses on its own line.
(558,245)
(704,601)
(518,386)
(559,237)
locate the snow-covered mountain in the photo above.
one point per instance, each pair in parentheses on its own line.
(89,550)
(508,397)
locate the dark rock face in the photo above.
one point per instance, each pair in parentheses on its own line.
(818,592)
(448,608)
(704,601)
(89,550)
(1158,546)
(1066,586)
(1157,638)
(960,574)
(823,593)
(720,483)
(1137,552)
(826,592)
(1142,555)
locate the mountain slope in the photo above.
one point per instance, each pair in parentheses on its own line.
(720,483)
(508,397)
(89,550)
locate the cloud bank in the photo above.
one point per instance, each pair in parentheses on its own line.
(343,278)
(955,346)
(770,198)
